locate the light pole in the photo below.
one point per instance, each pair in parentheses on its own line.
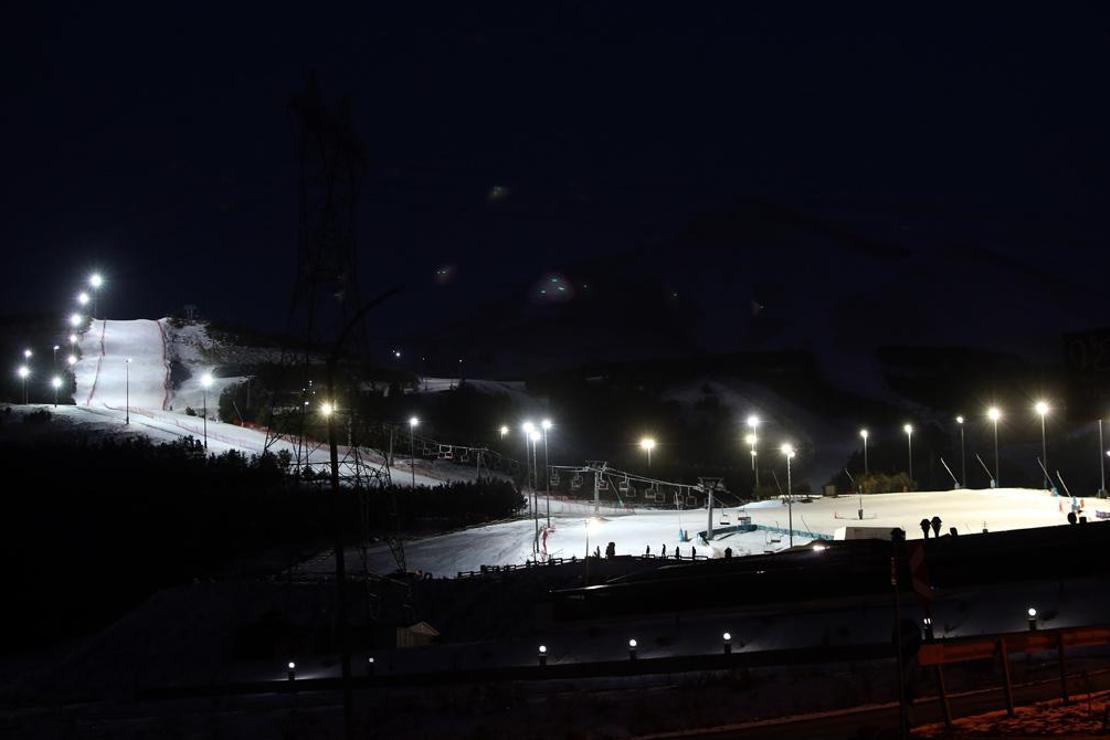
(55,383)
(24,372)
(413,422)
(865,434)
(1042,408)
(56,348)
(546,425)
(528,428)
(126,392)
(788,452)
(206,383)
(95,280)
(908,429)
(647,444)
(1101,462)
(963,459)
(753,424)
(591,523)
(534,437)
(994,414)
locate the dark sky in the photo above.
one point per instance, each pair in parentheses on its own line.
(157,145)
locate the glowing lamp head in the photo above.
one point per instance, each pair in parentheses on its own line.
(908,429)
(535,436)
(413,422)
(71,360)
(647,444)
(528,427)
(397,353)
(96,280)
(24,372)
(83,298)
(57,347)
(546,424)
(326,408)
(753,421)
(864,433)
(56,382)
(75,319)
(543,649)
(959,420)
(994,414)
(206,381)
(750,439)
(632,643)
(73,339)
(727,637)
(27,354)
(1031,612)
(787,450)
(292,665)
(1041,408)
(503,430)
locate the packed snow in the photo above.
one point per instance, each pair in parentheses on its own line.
(633,531)
(124,371)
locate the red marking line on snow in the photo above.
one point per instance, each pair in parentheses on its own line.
(165,364)
(96,375)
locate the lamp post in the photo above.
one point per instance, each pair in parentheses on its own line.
(71,360)
(1101,462)
(963,459)
(908,429)
(503,430)
(1042,408)
(126,392)
(56,348)
(647,444)
(73,340)
(413,422)
(24,372)
(753,424)
(788,452)
(55,383)
(994,414)
(75,320)
(528,428)
(864,434)
(591,524)
(95,281)
(27,353)
(205,383)
(546,425)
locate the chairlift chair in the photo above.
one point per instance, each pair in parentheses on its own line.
(603,485)
(576,482)
(465,456)
(446,452)
(555,478)
(624,487)
(691,501)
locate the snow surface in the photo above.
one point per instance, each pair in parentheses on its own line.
(633,530)
(107,386)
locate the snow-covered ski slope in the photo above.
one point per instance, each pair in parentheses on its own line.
(102,373)
(633,531)
(109,389)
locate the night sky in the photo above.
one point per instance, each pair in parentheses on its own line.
(510,141)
